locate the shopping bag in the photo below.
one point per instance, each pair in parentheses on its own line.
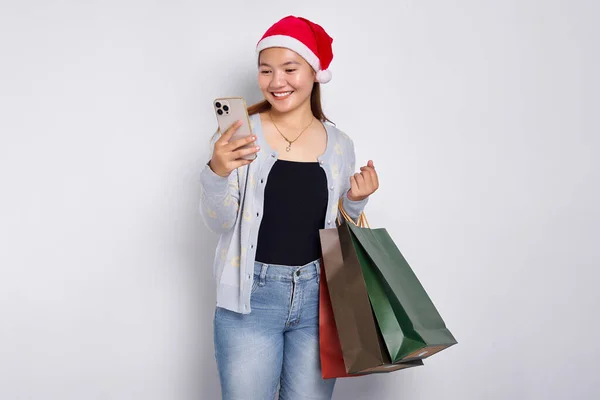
(350,340)
(409,322)
(332,360)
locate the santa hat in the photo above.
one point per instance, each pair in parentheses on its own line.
(304,37)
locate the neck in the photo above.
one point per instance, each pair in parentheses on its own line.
(295,118)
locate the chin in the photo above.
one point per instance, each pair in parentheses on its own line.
(281,107)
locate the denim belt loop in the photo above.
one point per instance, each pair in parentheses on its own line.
(318,269)
(263,275)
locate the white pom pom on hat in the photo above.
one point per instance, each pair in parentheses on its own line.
(324,76)
(304,37)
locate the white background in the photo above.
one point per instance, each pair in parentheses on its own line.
(482,120)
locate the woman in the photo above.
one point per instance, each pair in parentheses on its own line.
(268,212)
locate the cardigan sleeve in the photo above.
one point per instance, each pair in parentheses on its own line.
(219,199)
(352,208)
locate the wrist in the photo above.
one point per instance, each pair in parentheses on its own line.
(216,170)
(352,198)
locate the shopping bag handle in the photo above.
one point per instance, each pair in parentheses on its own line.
(362,218)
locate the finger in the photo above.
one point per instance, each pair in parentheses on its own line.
(360,180)
(375,179)
(368,174)
(367,170)
(370,164)
(244,152)
(240,163)
(229,132)
(372,175)
(236,144)
(368,186)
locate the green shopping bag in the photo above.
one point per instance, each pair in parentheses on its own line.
(410,324)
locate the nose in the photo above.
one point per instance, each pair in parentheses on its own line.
(278,79)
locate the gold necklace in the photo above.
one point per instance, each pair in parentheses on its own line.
(289,146)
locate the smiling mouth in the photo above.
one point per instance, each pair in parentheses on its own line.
(281,94)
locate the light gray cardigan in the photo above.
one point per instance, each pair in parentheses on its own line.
(233,207)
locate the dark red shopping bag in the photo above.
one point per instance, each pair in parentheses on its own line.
(332,360)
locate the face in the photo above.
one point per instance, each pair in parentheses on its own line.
(285,79)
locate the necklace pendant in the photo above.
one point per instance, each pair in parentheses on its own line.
(288,148)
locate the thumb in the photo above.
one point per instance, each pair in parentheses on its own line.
(370,164)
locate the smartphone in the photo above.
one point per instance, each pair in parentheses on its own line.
(229,110)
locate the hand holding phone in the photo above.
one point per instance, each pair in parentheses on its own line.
(229,153)
(229,110)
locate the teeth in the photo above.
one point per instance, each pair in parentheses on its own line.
(281,94)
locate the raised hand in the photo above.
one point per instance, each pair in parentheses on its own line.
(227,155)
(363,184)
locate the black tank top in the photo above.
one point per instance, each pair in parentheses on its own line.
(294,210)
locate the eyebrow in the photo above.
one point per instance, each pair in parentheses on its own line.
(263,64)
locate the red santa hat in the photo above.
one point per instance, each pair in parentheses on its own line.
(304,37)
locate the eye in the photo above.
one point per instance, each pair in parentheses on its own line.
(290,70)
(264,72)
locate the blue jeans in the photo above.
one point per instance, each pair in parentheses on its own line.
(278,342)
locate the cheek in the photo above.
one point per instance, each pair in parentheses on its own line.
(302,82)
(263,82)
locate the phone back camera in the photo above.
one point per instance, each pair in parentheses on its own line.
(222,108)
